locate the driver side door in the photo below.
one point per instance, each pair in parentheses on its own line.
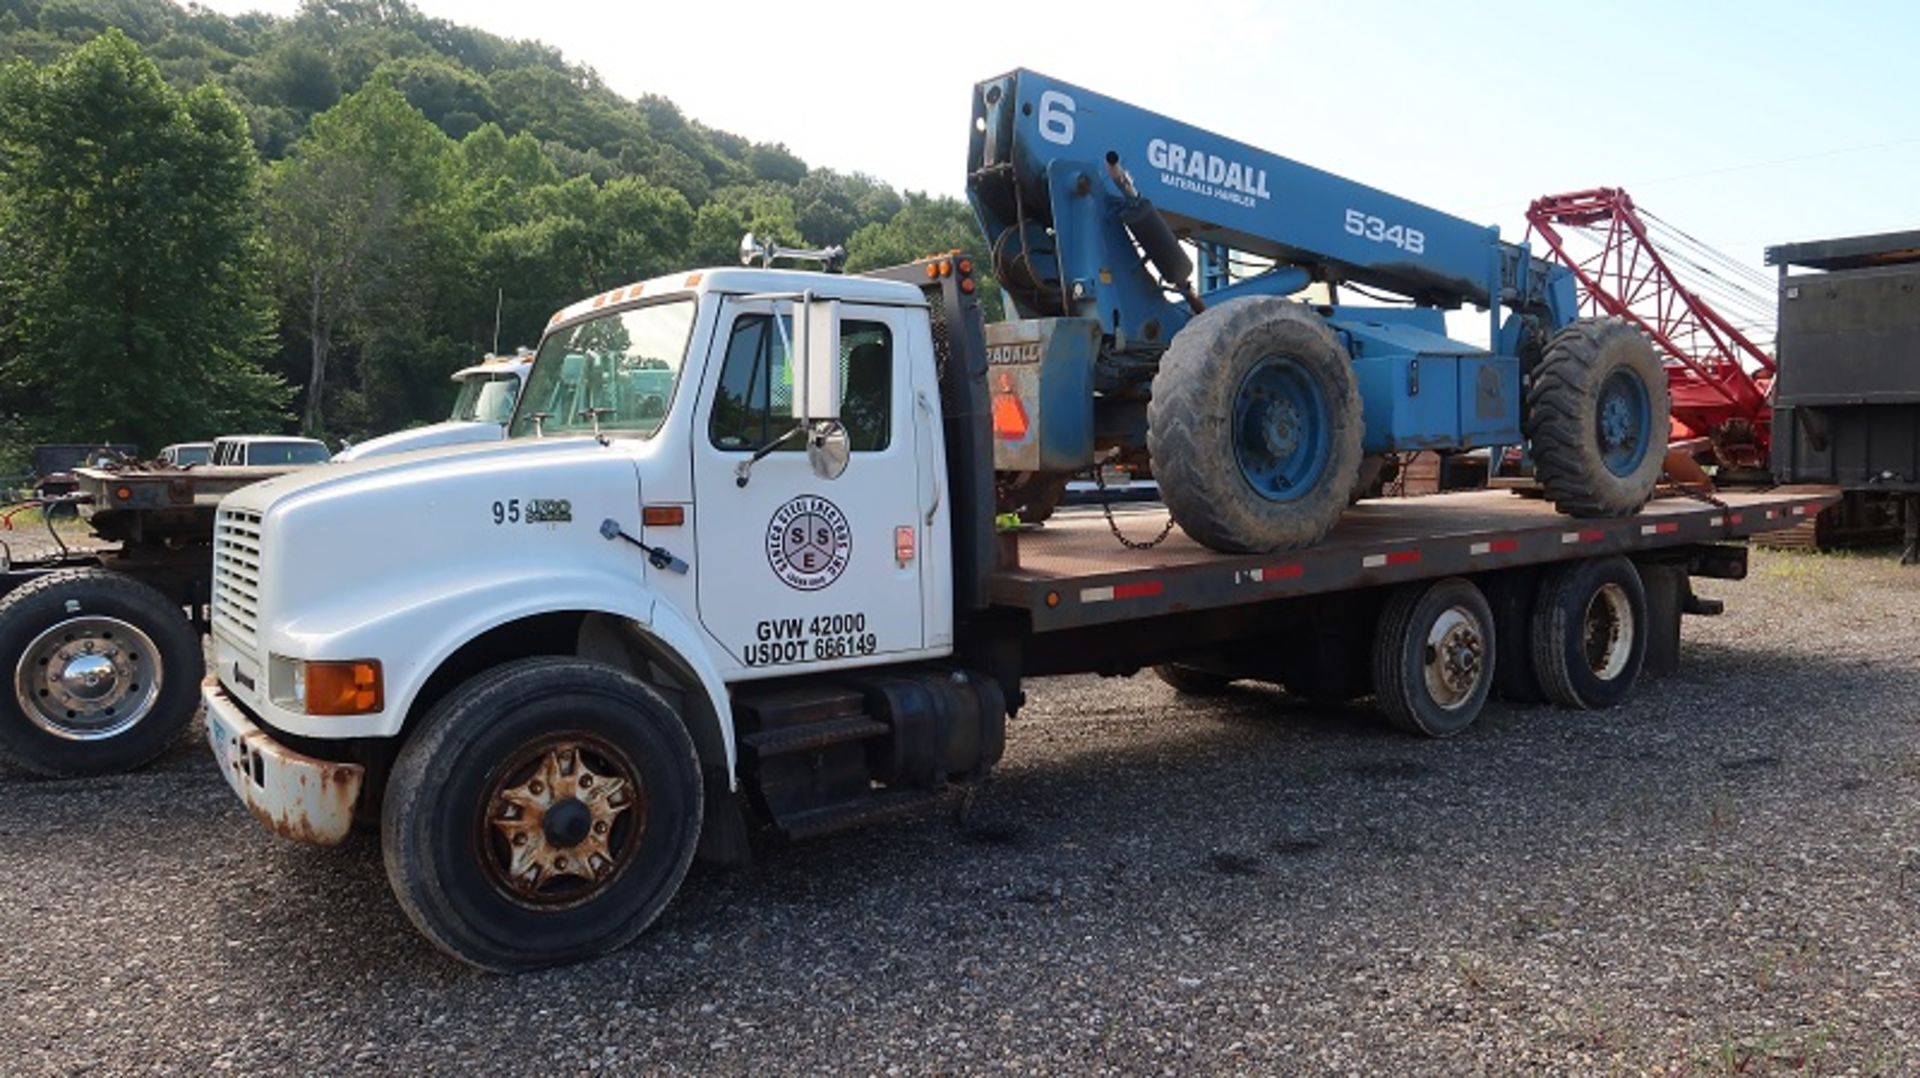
(797,571)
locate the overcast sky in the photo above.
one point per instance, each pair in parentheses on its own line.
(1745,124)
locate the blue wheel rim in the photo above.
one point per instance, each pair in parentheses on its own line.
(1280,430)
(1623,422)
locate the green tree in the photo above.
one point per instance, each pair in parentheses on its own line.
(130,303)
(362,216)
(925,226)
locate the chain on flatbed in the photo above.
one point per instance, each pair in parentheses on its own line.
(1106,506)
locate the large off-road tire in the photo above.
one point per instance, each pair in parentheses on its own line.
(103,673)
(543,813)
(1596,420)
(1192,681)
(1590,631)
(1254,426)
(1433,656)
(1376,471)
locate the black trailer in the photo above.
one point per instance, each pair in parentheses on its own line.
(100,642)
(1847,398)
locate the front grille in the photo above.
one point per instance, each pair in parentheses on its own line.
(236,574)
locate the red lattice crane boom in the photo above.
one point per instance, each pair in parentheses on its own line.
(1719,377)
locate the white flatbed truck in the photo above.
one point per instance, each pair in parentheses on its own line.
(737,568)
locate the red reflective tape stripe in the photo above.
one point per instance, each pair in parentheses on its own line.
(1502,546)
(1402,557)
(1736,517)
(1138,590)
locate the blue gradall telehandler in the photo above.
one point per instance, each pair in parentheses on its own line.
(1260,417)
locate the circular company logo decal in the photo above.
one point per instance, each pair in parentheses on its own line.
(808,543)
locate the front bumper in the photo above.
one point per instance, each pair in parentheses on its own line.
(294,796)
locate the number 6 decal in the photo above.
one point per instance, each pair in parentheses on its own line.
(1056,117)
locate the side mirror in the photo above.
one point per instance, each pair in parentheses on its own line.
(828,448)
(816,360)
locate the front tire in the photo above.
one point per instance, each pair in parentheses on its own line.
(542,814)
(1597,417)
(1254,427)
(105,674)
(1433,657)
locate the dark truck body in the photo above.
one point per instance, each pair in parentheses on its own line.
(1847,399)
(1848,395)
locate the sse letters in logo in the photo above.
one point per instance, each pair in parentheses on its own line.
(808,543)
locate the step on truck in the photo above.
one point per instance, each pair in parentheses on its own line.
(553,670)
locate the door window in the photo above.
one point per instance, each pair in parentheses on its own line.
(754,401)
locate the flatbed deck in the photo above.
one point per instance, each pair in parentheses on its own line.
(1072,572)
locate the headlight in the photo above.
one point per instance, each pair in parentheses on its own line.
(326,686)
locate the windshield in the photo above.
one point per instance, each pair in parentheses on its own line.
(192,454)
(268,454)
(485,398)
(623,366)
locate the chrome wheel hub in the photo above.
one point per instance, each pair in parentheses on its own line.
(88,678)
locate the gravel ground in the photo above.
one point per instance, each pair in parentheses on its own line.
(1721,877)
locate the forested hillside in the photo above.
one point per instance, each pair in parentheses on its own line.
(211,223)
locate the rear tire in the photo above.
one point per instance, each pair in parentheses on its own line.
(1596,420)
(543,813)
(1433,657)
(1590,632)
(1189,681)
(103,673)
(1254,427)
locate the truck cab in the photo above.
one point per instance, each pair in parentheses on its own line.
(714,485)
(481,408)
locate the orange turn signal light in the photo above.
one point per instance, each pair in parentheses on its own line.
(351,687)
(663,516)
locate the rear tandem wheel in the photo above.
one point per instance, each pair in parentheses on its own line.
(1433,656)
(1590,631)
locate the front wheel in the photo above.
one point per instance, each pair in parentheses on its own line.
(105,673)
(542,814)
